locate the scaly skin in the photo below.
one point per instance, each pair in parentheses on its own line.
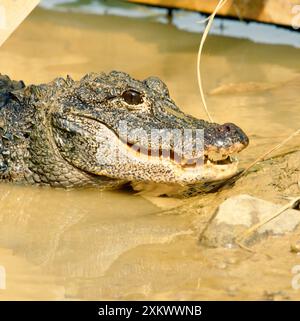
(60,134)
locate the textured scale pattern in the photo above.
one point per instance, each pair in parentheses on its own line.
(56,134)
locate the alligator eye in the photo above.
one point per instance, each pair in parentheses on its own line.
(132,97)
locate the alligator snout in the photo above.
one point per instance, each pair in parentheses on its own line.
(224,140)
(235,134)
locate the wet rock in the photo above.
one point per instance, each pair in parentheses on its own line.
(239,213)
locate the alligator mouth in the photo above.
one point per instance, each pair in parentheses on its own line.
(141,162)
(211,157)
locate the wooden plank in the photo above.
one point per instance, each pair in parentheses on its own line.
(12,13)
(284,12)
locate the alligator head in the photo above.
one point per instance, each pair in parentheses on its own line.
(111,127)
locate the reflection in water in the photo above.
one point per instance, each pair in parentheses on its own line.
(91,244)
(80,234)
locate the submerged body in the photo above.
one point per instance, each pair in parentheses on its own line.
(107,130)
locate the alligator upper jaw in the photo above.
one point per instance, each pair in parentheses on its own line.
(211,155)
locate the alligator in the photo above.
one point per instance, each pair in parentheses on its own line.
(105,130)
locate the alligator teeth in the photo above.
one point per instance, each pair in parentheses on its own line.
(210,159)
(233,158)
(214,156)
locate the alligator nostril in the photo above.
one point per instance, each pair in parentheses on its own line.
(234,132)
(227,128)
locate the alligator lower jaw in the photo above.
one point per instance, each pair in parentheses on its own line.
(213,170)
(208,171)
(193,171)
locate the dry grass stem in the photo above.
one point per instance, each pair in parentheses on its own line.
(204,36)
(239,240)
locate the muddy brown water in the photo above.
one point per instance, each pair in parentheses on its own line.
(88,244)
